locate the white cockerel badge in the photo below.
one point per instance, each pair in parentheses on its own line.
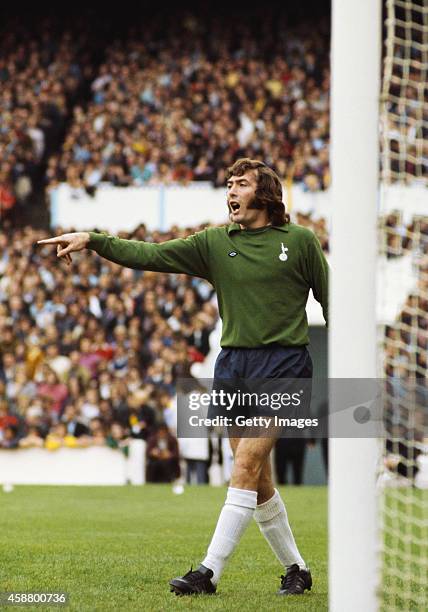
(283,256)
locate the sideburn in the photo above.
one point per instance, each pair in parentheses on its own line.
(255,204)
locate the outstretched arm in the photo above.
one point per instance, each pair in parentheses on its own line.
(182,255)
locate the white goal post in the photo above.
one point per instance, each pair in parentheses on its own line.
(355,91)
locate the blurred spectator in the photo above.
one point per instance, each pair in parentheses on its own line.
(290,452)
(10,438)
(162,456)
(52,389)
(96,435)
(118,438)
(58,437)
(33,439)
(199,338)
(74,425)
(142,415)
(403,446)
(9,422)
(195,452)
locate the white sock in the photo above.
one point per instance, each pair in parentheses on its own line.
(233,520)
(272,519)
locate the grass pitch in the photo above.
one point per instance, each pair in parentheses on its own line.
(115,548)
(404,584)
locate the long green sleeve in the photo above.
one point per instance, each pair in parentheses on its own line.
(182,255)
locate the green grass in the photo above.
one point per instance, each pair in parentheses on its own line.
(404,580)
(115,548)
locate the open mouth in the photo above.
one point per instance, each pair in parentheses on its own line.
(234,206)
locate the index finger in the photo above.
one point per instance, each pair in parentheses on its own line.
(56,240)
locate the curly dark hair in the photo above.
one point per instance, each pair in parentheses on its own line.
(269,188)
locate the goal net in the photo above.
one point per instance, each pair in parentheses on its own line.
(403,306)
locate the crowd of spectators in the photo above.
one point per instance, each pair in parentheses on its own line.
(405,350)
(41,78)
(406,341)
(89,354)
(170,98)
(404,112)
(406,393)
(181,99)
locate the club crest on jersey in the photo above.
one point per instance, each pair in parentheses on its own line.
(232,254)
(283,255)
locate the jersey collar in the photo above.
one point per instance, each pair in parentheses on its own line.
(235,227)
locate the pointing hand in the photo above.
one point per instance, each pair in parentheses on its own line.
(68,243)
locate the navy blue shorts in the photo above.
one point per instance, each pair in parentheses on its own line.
(272,361)
(254,374)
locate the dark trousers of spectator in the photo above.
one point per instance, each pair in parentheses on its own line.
(198,468)
(161,470)
(289,452)
(324,449)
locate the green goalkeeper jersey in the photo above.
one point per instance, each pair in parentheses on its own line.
(262,277)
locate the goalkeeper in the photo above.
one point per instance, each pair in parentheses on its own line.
(262,267)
